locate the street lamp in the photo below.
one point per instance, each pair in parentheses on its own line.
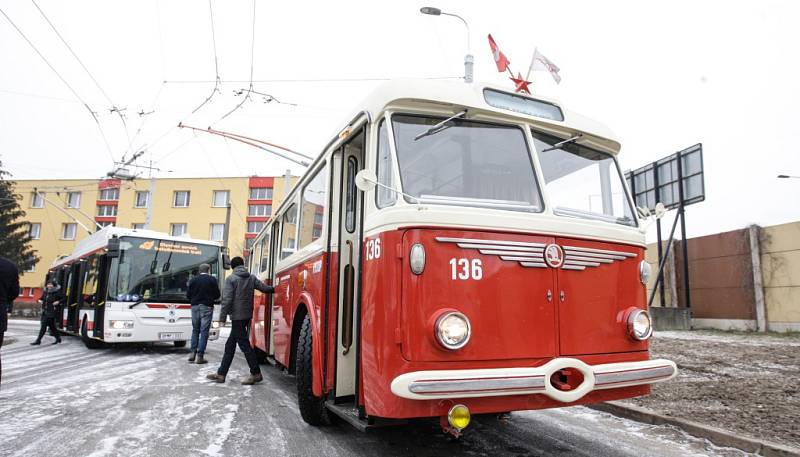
(468,59)
(788,176)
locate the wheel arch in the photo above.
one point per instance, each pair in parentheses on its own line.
(305,308)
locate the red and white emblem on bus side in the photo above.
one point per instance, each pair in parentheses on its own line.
(553,255)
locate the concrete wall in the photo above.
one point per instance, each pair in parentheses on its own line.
(723,287)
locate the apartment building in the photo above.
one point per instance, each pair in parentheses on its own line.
(62,212)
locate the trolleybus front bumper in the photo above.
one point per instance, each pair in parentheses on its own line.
(441,384)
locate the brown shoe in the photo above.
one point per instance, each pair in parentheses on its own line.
(192,356)
(200,360)
(252,379)
(216,377)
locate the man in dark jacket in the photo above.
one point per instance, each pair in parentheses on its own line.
(237,302)
(51,297)
(202,293)
(9,291)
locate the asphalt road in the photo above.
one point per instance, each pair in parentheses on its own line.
(148,401)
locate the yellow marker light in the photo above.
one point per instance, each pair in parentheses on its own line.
(458,417)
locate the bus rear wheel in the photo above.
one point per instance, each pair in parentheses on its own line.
(312,408)
(90,343)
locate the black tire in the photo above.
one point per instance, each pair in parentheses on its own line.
(179,344)
(90,343)
(312,408)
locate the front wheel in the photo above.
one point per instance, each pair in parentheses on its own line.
(179,344)
(90,343)
(312,408)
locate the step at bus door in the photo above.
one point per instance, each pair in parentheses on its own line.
(351,156)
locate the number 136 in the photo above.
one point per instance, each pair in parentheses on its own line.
(465,269)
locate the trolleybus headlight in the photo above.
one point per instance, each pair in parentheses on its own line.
(119,325)
(644,272)
(452,330)
(417,259)
(639,325)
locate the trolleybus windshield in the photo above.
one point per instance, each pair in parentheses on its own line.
(582,182)
(465,163)
(149,269)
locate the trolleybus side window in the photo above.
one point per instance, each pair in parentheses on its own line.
(91,281)
(466,163)
(289,232)
(264,260)
(313,203)
(582,182)
(385,170)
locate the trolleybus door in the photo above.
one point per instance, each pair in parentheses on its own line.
(350,210)
(274,241)
(73,297)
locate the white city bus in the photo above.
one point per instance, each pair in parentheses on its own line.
(125,285)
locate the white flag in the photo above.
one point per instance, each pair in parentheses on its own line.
(540,62)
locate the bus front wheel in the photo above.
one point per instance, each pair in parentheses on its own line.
(312,408)
(90,343)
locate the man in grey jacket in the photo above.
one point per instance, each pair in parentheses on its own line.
(237,302)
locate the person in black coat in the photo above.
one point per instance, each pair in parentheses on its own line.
(9,290)
(51,298)
(203,291)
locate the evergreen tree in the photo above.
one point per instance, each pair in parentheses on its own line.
(15,239)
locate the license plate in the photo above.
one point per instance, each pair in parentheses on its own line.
(169,336)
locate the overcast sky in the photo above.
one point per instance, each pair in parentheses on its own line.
(662,75)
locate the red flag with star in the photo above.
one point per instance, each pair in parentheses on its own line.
(499,58)
(521,85)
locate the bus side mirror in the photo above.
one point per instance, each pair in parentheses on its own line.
(660,210)
(366,180)
(226,262)
(113,248)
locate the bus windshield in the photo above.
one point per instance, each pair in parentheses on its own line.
(465,163)
(149,269)
(582,182)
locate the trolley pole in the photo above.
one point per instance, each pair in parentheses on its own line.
(150,196)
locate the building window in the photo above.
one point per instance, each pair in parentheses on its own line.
(35,230)
(105,224)
(137,226)
(37,200)
(220,198)
(22,291)
(109,194)
(142,197)
(73,199)
(68,231)
(254,227)
(259,210)
(177,229)
(261,193)
(181,199)
(217,232)
(31,291)
(248,243)
(107,210)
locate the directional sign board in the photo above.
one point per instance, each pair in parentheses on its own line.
(658,181)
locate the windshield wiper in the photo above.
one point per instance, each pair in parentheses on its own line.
(440,126)
(562,143)
(137,302)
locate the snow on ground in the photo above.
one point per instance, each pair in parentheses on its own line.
(148,401)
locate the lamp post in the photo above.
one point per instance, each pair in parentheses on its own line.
(468,59)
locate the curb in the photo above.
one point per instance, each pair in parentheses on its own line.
(717,436)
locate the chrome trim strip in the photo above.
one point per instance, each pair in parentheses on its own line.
(600,251)
(625,376)
(595,255)
(573,267)
(497,250)
(444,239)
(533,265)
(581,262)
(522,258)
(440,386)
(589,259)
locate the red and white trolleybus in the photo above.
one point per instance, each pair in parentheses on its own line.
(457,249)
(126,286)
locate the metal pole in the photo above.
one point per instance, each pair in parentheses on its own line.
(684,242)
(468,59)
(663,262)
(150,197)
(658,234)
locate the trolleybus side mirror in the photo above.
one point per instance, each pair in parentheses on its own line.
(366,180)
(113,247)
(226,261)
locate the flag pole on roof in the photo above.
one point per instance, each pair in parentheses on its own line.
(538,62)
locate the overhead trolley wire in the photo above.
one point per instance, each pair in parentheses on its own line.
(216,62)
(252,51)
(74,92)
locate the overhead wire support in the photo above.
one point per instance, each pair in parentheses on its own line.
(75,93)
(216,62)
(96,83)
(252,51)
(255,143)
